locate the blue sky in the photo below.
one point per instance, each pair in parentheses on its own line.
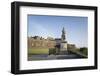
(51,26)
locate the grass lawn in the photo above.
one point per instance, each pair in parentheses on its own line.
(38,51)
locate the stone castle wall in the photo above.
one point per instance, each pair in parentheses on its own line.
(41,43)
(46,43)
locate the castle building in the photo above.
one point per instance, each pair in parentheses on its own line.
(60,44)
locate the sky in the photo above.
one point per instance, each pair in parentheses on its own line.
(51,26)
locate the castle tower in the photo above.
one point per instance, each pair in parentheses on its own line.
(63,44)
(63,37)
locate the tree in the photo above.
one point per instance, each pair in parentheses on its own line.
(84,50)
